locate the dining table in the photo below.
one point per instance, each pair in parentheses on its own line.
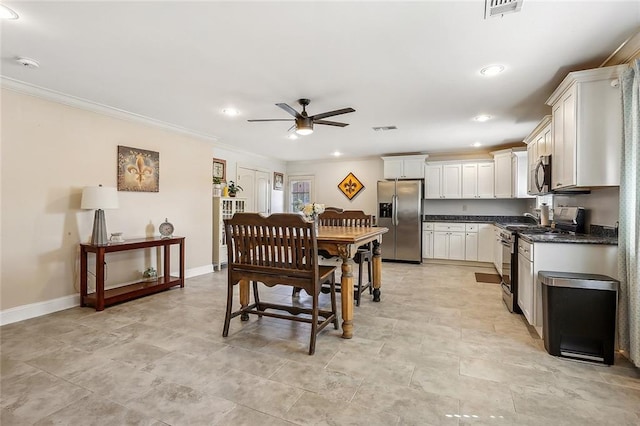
(343,241)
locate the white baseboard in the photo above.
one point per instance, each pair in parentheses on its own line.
(33,310)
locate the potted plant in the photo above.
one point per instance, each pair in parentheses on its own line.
(217,186)
(233,188)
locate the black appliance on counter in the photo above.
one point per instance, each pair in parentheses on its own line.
(565,219)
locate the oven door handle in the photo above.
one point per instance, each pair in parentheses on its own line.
(508,244)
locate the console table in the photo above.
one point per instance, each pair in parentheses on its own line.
(102,297)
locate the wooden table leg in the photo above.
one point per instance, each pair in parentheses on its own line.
(346,292)
(182,263)
(100,279)
(377,270)
(83,277)
(167,263)
(244,298)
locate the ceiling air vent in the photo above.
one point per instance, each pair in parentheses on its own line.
(500,7)
(384,128)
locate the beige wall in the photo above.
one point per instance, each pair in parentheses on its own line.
(329,173)
(49,152)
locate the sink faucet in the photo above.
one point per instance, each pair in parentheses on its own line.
(534,217)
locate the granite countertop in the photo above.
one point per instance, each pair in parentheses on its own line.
(477,219)
(597,236)
(568,238)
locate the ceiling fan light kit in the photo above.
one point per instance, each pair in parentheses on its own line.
(304,126)
(303,122)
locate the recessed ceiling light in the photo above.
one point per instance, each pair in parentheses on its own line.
(6,13)
(292,136)
(482,118)
(476,144)
(492,70)
(337,154)
(231,112)
(28,62)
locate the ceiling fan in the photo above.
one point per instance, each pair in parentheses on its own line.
(303,122)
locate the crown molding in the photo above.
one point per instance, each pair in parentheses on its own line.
(84,104)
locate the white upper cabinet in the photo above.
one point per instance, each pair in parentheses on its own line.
(433,181)
(477,180)
(443,180)
(452,181)
(519,170)
(503,174)
(539,143)
(510,172)
(404,167)
(587,129)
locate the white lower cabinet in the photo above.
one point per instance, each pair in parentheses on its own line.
(497,250)
(525,279)
(471,242)
(458,241)
(449,241)
(427,240)
(566,257)
(486,239)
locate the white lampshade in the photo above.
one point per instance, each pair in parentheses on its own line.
(99,197)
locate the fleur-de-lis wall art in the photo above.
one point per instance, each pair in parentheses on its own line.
(138,170)
(350,186)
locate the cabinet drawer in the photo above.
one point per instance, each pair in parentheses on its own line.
(453,227)
(525,249)
(471,227)
(427,226)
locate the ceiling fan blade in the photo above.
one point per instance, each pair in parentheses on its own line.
(330,123)
(290,110)
(272,119)
(332,113)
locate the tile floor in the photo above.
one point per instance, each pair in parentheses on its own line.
(439,349)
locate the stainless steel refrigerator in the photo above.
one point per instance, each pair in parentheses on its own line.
(400,210)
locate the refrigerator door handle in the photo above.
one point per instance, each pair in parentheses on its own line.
(395,210)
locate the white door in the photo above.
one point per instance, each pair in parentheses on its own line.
(246,179)
(255,188)
(300,191)
(262,187)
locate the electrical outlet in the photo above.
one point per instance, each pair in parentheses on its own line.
(464,207)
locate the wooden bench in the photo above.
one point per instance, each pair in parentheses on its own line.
(280,249)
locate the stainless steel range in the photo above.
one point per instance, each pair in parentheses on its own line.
(565,219)
(509,284)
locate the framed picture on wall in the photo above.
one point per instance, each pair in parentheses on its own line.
(278,181)
(220,169)
(138,170)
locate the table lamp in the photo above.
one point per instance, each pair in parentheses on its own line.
(99,198)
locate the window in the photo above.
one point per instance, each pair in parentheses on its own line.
(300,191)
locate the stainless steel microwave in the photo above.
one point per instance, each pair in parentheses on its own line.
(541,175)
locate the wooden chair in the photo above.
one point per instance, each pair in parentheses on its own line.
(365,253)
(280,249)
